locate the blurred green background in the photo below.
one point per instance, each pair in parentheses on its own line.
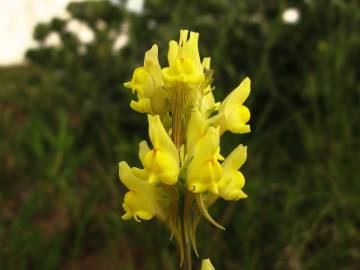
(65,123)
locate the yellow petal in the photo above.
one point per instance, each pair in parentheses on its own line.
(204,179)
(143,150)
(143,201)
(232,115)
(152,66)
(143,105)
(183,37)
(231,184)
(206,265)
(147,83)
(141,82)
(194,49)
(206,63)
(184,62)
(143,174)
(138,207)
(139,201)
(232,181)
(151,56)
(208,145)
(160,138)
(236,119)
(129,179)
(236,158)
(183,71)
(204,170)
(195,130)
(238,95)
(162,165)
(162,162)
(173,51)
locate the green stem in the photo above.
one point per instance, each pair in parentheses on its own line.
(187,249)
(185,232)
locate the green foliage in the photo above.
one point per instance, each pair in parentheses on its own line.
(95,11)
(65,122)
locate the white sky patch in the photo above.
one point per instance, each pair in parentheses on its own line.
(17,21)
(19,17)
(135,5)
(120,42)
(291,15)
(53,40)
(81,30)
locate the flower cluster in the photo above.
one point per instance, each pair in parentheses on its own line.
(183,167)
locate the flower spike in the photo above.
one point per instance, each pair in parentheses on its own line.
(183,172)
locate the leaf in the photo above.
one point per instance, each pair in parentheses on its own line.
(205,213)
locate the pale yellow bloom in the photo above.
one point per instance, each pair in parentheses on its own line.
(232,181)
(196,128)
(206,265)
(162,162)
(143,200)
(233,115)
(204,170)
(147,83)
(184,61)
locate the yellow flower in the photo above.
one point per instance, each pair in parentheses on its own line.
(196,128)
(204,170)
(232,115)
(232,181)
(144,200)
(184,81)
(184,61)
(206,265)
(147,83)
(162,162)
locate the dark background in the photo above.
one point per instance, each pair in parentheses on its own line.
(65,123)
